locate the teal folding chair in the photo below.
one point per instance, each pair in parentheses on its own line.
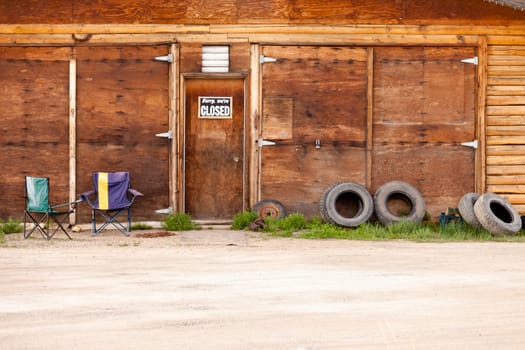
(39,212)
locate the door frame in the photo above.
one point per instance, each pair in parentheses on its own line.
(181,161)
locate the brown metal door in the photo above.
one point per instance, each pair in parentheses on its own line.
(424,102)
(214,152)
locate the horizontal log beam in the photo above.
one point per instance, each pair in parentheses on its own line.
(506,180)
(505,160)
(502,33)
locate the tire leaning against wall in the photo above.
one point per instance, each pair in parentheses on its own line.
(405,192)
(497,215)
(330,204)
(466,209)
(269,208)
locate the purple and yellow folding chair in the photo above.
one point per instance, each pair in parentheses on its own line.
(39,212)
(112,196)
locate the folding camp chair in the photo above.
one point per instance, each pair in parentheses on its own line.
(40,212)
(112,196)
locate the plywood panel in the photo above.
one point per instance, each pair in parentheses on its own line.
(327,88)
(122,103)
(34,123)
(424,109)
(297,175)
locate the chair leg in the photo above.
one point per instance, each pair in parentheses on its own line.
(110,219)
(36,224)
(60,223)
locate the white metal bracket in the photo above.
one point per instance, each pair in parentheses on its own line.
(263,142)
(168,134)
(164,211)
(473,144)
(266,59)
(168,58)
(473,60)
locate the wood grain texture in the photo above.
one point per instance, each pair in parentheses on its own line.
(34,124)
(122,103)
(251,11)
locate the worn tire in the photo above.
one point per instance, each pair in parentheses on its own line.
(466,209)
(269,208)
(346,204)
(398,190)
(497,215)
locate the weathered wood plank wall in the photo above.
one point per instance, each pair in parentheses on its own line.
(506,123)
(245,25)
(255,11)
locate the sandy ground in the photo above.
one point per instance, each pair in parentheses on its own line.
(236,290)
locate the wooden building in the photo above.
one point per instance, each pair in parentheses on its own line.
(304,94)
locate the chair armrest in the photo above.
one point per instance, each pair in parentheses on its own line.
(134,192)
(84,197)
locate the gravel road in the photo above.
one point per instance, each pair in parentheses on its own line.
(236,290)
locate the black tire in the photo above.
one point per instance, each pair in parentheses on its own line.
(346,204)
(269,208)
(497,215)
(466,209)
(403,193)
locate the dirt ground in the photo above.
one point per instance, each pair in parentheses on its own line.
(218,289)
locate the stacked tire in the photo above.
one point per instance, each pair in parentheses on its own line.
(350,204)
(491,212)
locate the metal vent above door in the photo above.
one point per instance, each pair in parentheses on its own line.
(215,59)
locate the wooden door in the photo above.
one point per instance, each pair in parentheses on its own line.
(214,148)
(34,123)
(424,102)
(315,110)
(122,103)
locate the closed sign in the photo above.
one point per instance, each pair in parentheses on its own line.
(212,107)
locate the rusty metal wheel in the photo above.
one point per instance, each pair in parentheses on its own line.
(269,208)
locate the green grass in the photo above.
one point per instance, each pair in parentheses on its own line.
(140,226)
(179,222)
(11,226)
(295,225)
(241,220)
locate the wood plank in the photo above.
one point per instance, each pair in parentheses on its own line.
(517,200)
(514,100)
(499,90)
(72,135)
(504,120)
(506,81)
(505,110)
(369,117)
(254,124)
(505,170)
(505,160)
(500,189)
(505,140)
(506,60)
(480,172)
(506,150)
(506,40)
(270,28)
(506,50)
(516,130)
(506,180)
(502,71)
